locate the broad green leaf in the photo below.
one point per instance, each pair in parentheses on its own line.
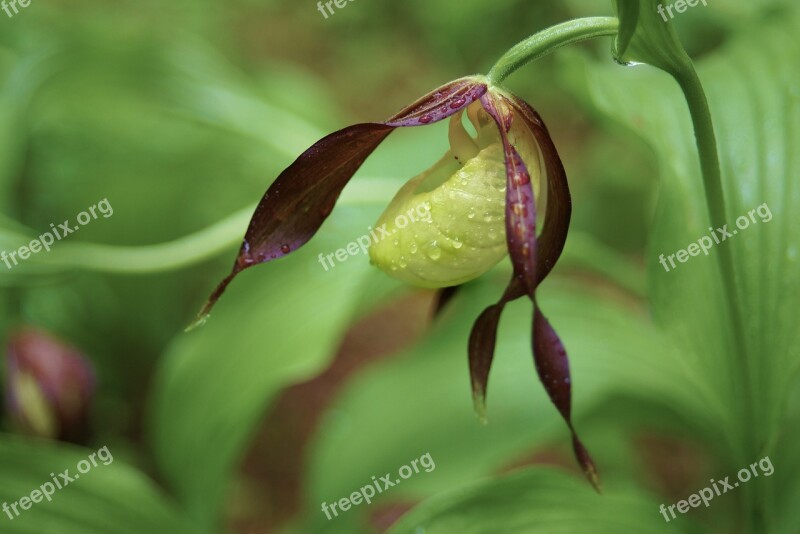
(538,500)
(644,37)
(277,324)
(113,499)
(753,87)
(420,401)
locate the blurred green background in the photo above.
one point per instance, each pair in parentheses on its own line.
(305,383)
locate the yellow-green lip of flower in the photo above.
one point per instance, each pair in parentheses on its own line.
(461,234)
(463,197)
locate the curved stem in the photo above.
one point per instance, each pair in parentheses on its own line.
(176,254)
(179,253)
(550,39)
(706,142)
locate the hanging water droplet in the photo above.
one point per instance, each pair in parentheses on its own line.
(457,244)
(412,248)
(624,63)
(433,251)
(471,213)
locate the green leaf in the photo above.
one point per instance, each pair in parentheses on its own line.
(419,402)
(277,324)
(645,37)
(537,500)
(753,88)
(112,499)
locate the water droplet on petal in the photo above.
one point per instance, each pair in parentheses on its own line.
(396,242)
(402,262)
(458,102)
(412,248)
(433,251)
(457,244)
(487,217)
(492,234)
(471,213)
(425,119)
(286,249)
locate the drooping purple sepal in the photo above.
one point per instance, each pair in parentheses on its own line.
(532,261)
(559,203)
(301,198)
(442,299)
(552,366)
(482,340)
(520,199)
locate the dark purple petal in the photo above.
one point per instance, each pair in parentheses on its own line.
(559,204)
(442,298)
(301,198)
(552,366)
(440,103)
(550,357)
(520,200)
(482,340)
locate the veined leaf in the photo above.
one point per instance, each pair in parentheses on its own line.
(534,501)
(112,499)
(753,87)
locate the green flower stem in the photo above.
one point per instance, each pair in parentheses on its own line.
(549,40)
(706,142)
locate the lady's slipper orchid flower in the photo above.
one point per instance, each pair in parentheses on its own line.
(482,200)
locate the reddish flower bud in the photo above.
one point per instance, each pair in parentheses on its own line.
(49,386)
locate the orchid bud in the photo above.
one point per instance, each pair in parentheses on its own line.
(49,386)
(447,225)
